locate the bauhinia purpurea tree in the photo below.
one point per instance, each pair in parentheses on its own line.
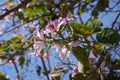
(45,38)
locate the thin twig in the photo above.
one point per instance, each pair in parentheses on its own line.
(45,68)
(115,20)
(17,71)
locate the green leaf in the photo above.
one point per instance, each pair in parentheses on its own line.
(2,50)
(15,46)
(81,55)
(81,29)
(94,23)
(108,36)
(87,1)
(21,60)
(97,48)
(101,5)
(80,67)
(20,15)
(2,77)
(9,4)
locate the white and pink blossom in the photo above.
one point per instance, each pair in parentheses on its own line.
(63,51)
(39,40)
(56,24)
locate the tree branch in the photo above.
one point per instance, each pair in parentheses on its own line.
(21,5)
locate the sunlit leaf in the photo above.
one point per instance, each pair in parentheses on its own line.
(108,36)
(10,4)
(80,67)
(82,29)
(15,46)
(97,48)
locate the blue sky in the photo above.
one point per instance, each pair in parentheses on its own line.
(10,71)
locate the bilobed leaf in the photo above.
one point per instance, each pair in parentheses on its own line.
(108,36)
(94,23)
(81,55)
(82,29)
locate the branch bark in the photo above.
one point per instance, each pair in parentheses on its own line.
(21,5)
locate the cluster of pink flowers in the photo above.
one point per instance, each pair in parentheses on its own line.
(53,26)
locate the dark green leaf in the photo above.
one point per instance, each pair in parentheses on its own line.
(111,76)
(81,55)
(101,5)
(21,60)
(38,70)
(20,15)
(108,36)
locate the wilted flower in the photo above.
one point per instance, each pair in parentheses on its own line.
(55,25)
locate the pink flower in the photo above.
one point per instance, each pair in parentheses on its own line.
(4,7)
(39,37)
(62,51)
(55,25)
(75,71)
(39,40)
